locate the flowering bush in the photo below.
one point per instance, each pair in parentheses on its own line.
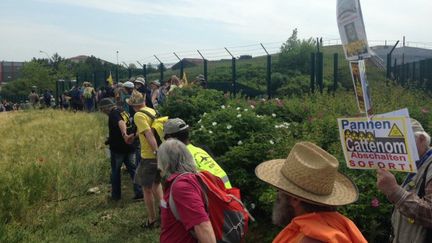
(243,133)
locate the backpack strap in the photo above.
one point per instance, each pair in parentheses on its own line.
(153,117)
(171,202)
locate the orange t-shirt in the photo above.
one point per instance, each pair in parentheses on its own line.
(330,227)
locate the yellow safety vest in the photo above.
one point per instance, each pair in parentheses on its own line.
(205,162)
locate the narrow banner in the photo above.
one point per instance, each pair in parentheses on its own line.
(361,86)
(352,29)
(385,141)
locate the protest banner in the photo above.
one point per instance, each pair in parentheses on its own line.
(361,86)
(352,30)
(385,141)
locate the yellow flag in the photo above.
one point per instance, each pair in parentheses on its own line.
(110,79)
(184,79)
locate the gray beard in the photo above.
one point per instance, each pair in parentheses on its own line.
(283,212)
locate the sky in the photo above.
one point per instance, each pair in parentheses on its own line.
(135,30)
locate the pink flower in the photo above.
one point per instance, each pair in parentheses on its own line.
(375,202)
(424,110)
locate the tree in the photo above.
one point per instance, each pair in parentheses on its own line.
(295,54)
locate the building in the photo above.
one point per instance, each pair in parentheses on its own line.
(9,71)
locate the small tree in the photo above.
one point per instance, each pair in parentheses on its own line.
(295,54)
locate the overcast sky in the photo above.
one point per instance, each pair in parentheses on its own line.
(138,29)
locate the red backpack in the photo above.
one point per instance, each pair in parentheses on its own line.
(228,216)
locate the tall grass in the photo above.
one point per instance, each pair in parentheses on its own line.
(48,155)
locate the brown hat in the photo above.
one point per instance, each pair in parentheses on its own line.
(136,98)
(310,174)
(416,126)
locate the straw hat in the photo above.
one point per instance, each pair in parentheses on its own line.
(416,126)
(136,99)
(310,174)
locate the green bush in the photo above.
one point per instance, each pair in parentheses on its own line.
(190,102)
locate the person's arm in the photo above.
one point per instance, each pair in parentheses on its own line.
(128,138)
(204,232)
(151,139)
(409,204)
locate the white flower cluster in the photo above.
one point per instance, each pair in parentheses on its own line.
(214,123)
(222,106)
(283,125)
(229,127)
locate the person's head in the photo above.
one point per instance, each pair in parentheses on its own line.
(139,82)
(136,100)
(422,138)
(177,128)
(308,181)
(174,157)
(129,87)
(106,105)
(155,84)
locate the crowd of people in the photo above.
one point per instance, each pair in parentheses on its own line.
(309,185)
(85,97)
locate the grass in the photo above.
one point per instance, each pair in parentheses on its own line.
(49,160)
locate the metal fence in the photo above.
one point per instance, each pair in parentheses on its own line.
(415,74)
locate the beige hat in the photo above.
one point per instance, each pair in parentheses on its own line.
(310,174)
(136,98)
(416,126)
(140,80)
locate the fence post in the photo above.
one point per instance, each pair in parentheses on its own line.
(161,68)
(206,70)
(181,65)
(268,77)
(57,92)
(428,74)
(320,64)
(144,71)
(205,66)
(234,76)
(335,71)
(389,57)
(234,73)
(161,71)
(395,71)
(312,76)
(117,75)
(129,72)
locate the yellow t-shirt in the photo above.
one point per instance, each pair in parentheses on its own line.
(143,123)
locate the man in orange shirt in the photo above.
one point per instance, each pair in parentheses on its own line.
(309,189)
